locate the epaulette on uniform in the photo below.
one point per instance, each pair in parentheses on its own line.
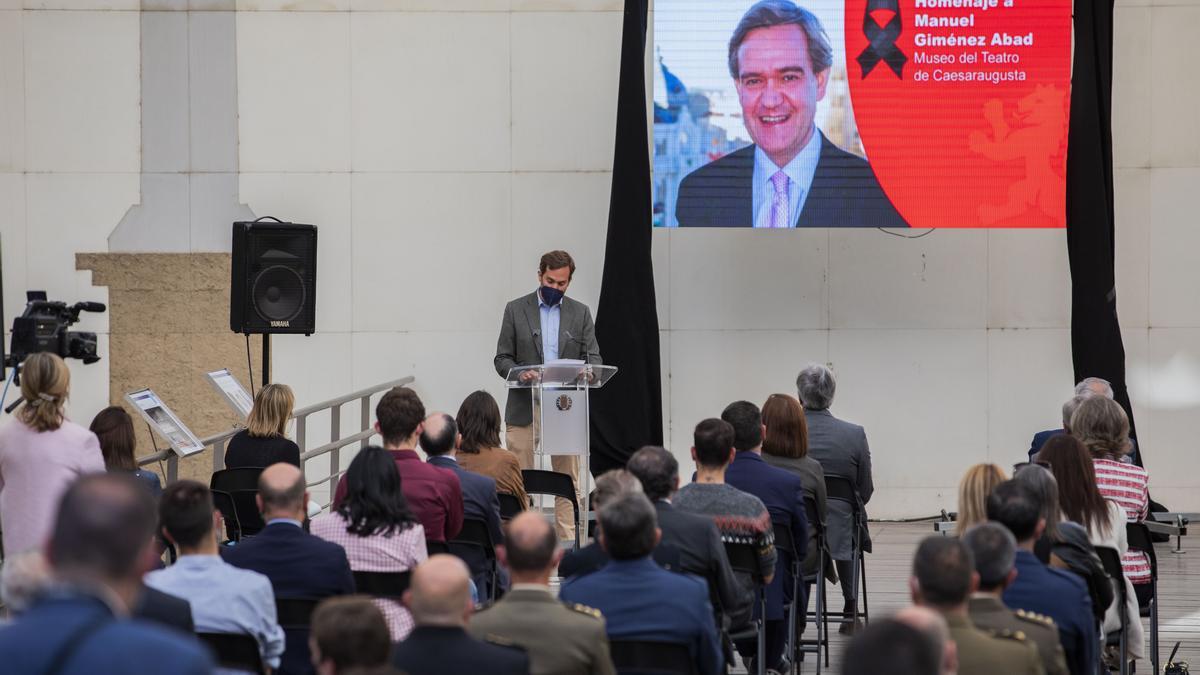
(1007,634)
(1034,617)
(584,609)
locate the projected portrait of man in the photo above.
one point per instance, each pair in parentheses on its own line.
(792,175)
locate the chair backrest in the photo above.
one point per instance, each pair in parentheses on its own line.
(842,489)
(434,547)
(1140,539)
(783,540)
(744,558)
(236,651)
(813,516)
(294,612)
(242,478)
(249,518)
(510,506)
(652,658)
(541,482)
(474,534)
(224,503)
(1110,559)
(382,584)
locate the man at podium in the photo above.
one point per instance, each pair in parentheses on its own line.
(542,327)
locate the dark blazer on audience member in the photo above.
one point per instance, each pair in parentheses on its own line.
(434,650)
(841,448)
(1062,596)
(481,503)
(782,493)
(1040,438)
(164,609)
(300,566)
(258,451)
(588,559)
(702,553)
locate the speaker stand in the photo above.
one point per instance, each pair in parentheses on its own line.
(266,359)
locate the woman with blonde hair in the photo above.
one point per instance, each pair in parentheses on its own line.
(41,453)
(977,483)
(263,443)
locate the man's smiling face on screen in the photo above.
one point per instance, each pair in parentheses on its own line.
(778,90)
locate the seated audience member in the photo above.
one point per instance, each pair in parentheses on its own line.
(592,557)
(300,566)
(100,542)
(783,495)
(1103,428)
(164,609)
(434,494)
(479,450)
(41,452)
(740,516)
(224,599)
(841,448)
(114,429)
(785,445)
(438,440)
(697,538)
(1087,387)
(264,442)
(973,490)
(638,599)
(559,637)
(943,579)
(440,600)
(348,634)
(24,577)
(891,646)
(933,626)
(995,551)
(375,527)
(1058,594)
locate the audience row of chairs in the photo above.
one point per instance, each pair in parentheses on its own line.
(1139,539)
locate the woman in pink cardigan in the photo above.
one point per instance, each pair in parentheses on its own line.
(41,453)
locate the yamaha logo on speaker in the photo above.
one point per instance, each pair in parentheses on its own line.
(280,324)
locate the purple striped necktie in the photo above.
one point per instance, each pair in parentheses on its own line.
(779,204)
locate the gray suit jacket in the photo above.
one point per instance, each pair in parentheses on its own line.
(520,344)
(841,448)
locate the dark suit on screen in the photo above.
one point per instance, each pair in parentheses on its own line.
(300,566)
(480,503)
(844,193)
(434,650)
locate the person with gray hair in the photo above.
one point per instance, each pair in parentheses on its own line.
(995,552)
(439,597)
(1086,388)
(792,176)
(639,599)
(841,449)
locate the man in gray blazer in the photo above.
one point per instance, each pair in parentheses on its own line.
(841,448)
(538,328)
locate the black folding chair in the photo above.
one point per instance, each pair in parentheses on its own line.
(1141,539)
(744,558)
(1111,560)
(390,585)
(785,545)
(241,484)
(224,503)
(474,536)
(434,547)
(842,489)
(817,579)
(510,506)
(294,613)
(644,657)
(561,485)
(235,651)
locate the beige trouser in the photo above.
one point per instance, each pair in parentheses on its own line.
(519,441)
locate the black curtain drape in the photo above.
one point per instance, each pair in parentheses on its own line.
(1096,345)
(627,413)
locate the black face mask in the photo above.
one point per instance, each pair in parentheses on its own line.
(551,296)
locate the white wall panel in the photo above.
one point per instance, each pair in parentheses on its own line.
(1175,137)
(12,92)
(1133,207)
(13,244)
(1174,241)
(1029,377)
(1029,280)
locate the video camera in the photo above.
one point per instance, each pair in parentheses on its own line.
(43,328)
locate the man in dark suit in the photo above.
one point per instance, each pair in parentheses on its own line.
(1058,594)
(782,492)
(696,537)
(299,565)
(103,535)
(541,327)
(1089,386)
(792,176)
(439,440)
(440,601)
(638,599)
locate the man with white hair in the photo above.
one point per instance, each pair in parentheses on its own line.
(842,450)
(1087,387)
(440,601)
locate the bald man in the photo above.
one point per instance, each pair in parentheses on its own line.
(559,637)
(439,598)
(933,626)
(299,565)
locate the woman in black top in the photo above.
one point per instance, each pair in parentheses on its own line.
(262,443)
(114,428)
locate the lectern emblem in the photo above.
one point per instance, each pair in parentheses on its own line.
(563,402)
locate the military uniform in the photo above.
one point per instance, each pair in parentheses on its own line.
(1001,653)
(559,637)
(989,614)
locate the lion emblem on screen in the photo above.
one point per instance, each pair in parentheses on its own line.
(564,403)
(1040,126)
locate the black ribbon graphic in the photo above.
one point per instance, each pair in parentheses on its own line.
(882,39)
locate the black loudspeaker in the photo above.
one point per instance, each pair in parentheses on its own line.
(273,286)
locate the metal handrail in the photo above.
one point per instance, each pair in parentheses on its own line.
(332,448)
